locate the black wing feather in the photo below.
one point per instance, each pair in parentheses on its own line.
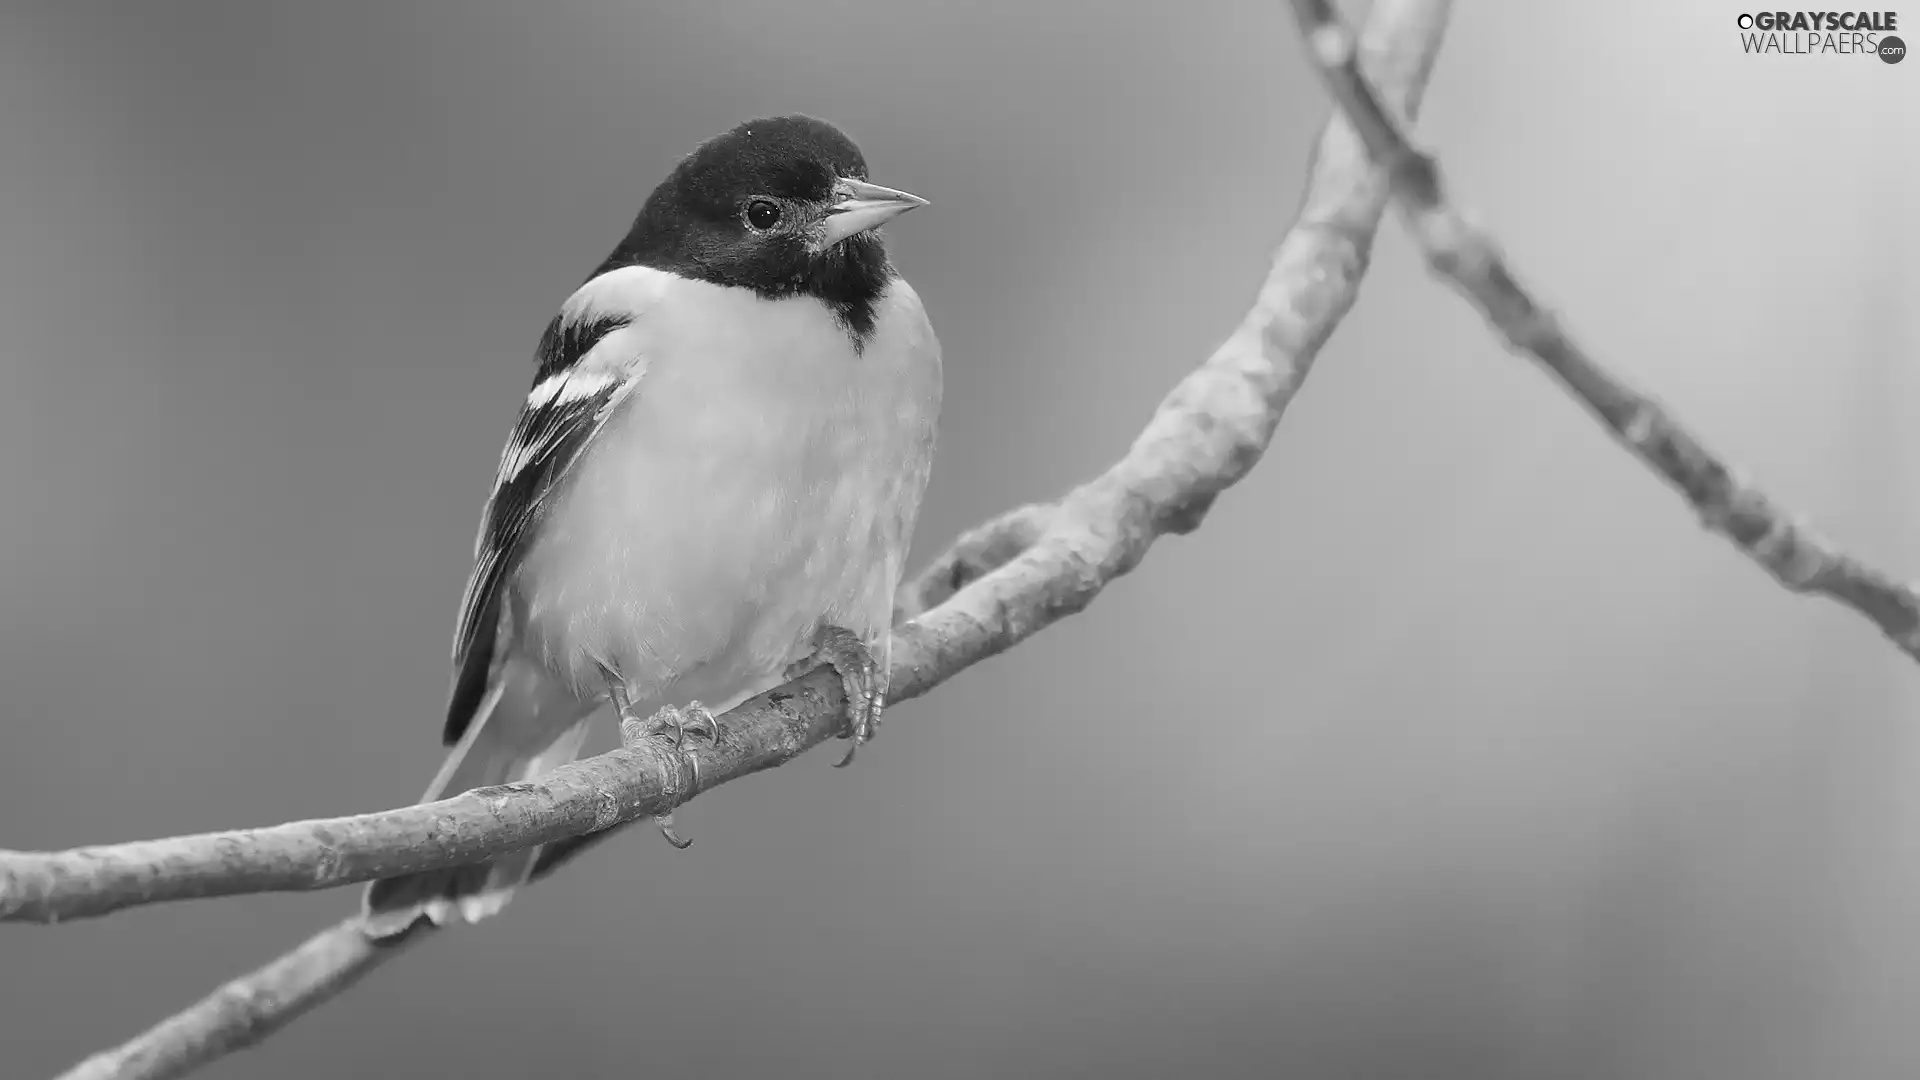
(567,340)
(470,679)
(546,441)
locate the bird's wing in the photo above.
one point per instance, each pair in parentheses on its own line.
(590,359)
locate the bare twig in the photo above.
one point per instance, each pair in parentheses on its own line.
(561,809)
(1206,435)
(1783,545)
(643,778)
(251,1007)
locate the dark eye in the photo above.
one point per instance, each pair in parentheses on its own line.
(763,214)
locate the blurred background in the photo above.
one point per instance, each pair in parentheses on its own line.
(1450,747)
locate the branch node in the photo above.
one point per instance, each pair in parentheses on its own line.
(1332,45)
(1793,551)
(1641,420)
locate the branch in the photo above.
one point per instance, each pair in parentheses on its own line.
(1783,544)
(643,778)
(993,590)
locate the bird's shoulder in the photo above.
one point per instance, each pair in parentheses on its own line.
(617,299)
(590,357)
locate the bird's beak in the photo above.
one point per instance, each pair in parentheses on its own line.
(859,206)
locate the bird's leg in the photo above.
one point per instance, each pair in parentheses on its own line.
(864,680)
(668,721)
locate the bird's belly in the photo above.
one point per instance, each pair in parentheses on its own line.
(705,535)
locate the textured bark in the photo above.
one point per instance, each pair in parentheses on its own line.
(997,586)
(1468,259)
(643,778)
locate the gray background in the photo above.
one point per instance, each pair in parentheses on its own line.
(1449,748)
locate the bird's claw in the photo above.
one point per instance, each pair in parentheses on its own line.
(665,822)
(673,725)
(694,719)
(861,676)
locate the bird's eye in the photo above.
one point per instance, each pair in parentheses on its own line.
(763,214)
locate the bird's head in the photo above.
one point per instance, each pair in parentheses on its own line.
(781,206)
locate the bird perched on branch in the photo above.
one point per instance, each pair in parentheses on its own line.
(712,484)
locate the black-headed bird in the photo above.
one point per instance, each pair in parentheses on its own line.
(712,485)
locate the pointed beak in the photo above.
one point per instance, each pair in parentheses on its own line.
(859,206)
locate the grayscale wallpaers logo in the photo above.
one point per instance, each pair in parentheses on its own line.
(1819,33)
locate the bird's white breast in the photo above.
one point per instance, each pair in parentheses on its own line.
(762,477)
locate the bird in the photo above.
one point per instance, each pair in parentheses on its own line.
(711,487)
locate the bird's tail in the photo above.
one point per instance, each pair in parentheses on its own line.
(527,724)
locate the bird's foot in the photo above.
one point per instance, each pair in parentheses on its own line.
(695,719)
(674,725)
(864,680)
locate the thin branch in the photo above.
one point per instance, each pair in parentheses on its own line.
(1783,544)
(261,1002)
(251,1007)
(641,779)
(1207,434)
(577,801)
